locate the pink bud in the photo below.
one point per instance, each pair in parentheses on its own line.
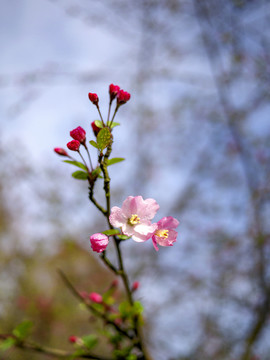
(135,286)
(78,134)
(99,242)
(93,98)
(95,297)
(95,128)
(61,151)
(113,91)
(73,339)
(73,145)
(122,97)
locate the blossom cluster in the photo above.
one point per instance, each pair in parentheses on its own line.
(134,220)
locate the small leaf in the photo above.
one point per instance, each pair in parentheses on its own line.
(7,343)
(115,161)
(80,175)
(93,143)
(114,124)
(90,341)
(123,237)
(76,163)
(103,138)
(137,308)
(23,329)
(97,172)
(99,124)
(110,232)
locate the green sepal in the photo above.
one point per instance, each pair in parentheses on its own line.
(7,343)
(99,124)
(114,124)
(93,143)
(23,329)
(76,163)
(90,341)
(80,175)
(115,161)
(103,138)
(110,232)
(123,237)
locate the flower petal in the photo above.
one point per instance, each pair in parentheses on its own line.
(168,222)
(117,217)
(146,209)
(155,243)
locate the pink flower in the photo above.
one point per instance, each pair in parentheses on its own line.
(78,134)
(165,235)
(61,151)
(134,217)
(95,128)
(95,297)
(122,97)
(99,242)
(73,145)
(93,98)
(113,91)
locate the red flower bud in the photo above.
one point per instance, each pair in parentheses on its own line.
(73,145)
(73,339)
(95,128)
(61,151)
(113,91)
(135,286)
(122,97)
(95,297)
(93,98)
(99,242)
(78,134)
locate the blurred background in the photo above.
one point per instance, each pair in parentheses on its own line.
(195,136)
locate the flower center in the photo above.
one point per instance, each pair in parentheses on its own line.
(162,233)
(134,219)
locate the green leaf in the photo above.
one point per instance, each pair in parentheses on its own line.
(80,175)
(114,124)
(97,171)
(23,329)
(7,343)
(115,161)
(93,143)
(76,163)
(90,341)
(103,138)
(123,237)
(99,124)
(110,232)
(137,308)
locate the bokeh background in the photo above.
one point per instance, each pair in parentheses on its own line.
(195,136)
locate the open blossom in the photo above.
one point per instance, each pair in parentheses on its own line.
(122,97)
(165,234)
(99,242)
(134,217)
(78,134)
(74,145)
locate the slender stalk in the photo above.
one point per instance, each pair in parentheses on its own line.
(83,161)
(89,157)
(101,118)
(109,112)
(115,111)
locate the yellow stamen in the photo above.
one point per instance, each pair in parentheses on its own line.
(134,219)
(162,233)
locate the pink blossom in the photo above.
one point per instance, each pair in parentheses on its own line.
(78,134)
(99,242)
(134,217)
(61,151)
(95,297)
(165,235)
(93,98)
(122,97)
(113,91)
(74,145)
